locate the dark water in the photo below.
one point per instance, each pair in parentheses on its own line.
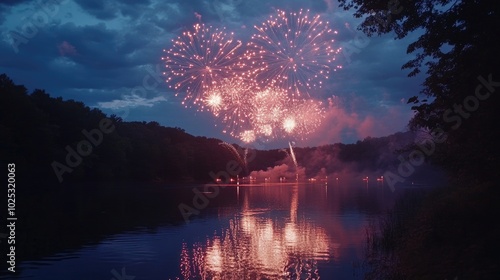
(272,231)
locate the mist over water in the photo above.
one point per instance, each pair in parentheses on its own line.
(369,159)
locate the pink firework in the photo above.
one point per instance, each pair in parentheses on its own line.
(303,118)
(247,136)
(232,102)
(293,51)
(269,107)
(199,59)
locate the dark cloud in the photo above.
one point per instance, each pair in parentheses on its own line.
(100,9)
(12,2)
(6,5)
(262,8)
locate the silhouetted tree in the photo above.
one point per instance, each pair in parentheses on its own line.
(457,43)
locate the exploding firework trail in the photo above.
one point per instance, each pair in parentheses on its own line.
(293,51)
(292,154)
(241,159)
(199,59)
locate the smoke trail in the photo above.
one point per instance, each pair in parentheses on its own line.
(245,157)
(242,160)
(292,154)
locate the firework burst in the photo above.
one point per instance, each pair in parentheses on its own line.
(232,102)
(260,92)
(293,51)
(269,106)
(247,136)
(303,118)
(198,60)
(213,100)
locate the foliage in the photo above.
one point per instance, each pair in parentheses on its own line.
(451,234)
(456,44)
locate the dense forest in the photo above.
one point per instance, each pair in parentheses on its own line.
(53,140)
(42,134)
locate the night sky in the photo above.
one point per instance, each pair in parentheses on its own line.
(107,54)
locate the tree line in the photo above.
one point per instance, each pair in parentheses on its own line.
(53,140)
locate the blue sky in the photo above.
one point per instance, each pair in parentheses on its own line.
(107,54)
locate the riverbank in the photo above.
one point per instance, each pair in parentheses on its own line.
(447,233)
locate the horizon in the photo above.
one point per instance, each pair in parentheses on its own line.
(258,145)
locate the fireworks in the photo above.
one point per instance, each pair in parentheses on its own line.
(247,136)
(248,112)
(232,102)
(275,115)
(293,51)
(268,109)
(199,59)
(214,101)
(260,92)
(303,118)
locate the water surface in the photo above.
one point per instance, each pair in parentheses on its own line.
(268,231)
